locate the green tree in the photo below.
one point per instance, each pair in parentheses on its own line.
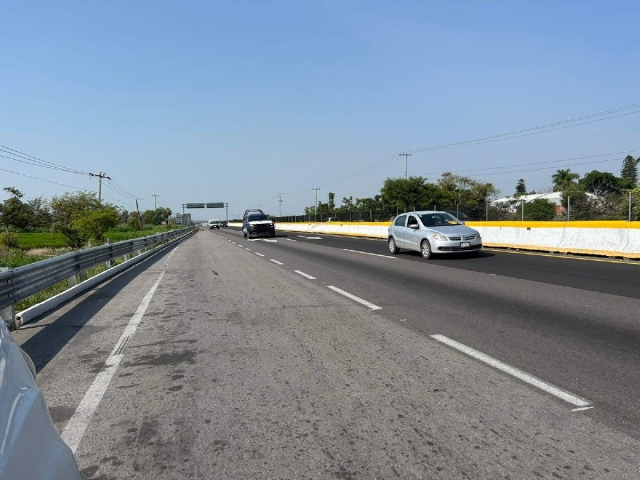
(471,195)
(539,210)
(67,207)
(404,194)
(134,220)
(629,172)
(332,202)
(521,188)
(94,223)
(563,179)
(39,213)
(582,207)
(13,211)
(148,217)
(600,183)
(124,216)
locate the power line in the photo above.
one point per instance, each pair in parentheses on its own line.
(549,127)
(546,168)
(31,160)
(43,180)
(533,163)
(539,129)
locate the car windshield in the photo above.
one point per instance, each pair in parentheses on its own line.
(438,219)
(257,216)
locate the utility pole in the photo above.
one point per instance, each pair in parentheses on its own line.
(405,155)
(280,203)
(155,202)
(315,215)
(100,176)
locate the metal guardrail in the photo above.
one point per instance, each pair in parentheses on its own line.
(22,282)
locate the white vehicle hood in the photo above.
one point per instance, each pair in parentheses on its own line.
(30,446)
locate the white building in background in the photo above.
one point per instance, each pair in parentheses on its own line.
(552,197)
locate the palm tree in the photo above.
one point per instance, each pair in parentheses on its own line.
(563,179)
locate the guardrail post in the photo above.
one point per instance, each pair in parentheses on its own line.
(8,314)
(109,263)
(72,280)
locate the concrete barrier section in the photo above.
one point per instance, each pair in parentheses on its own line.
(606,238)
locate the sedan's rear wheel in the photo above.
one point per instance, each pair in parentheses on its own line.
(393,248)
(425,249)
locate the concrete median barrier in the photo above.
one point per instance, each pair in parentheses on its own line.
(605,238)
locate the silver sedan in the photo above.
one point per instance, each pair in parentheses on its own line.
(431,233)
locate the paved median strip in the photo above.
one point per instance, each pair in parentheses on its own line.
(368,253)
(276,261)
(354,298)
(305,275)
(568,397)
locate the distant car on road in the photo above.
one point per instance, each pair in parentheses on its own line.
(214,224)
(224,223)
(432,233)
(31,446)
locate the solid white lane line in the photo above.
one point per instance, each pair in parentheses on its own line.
(305,275)
(77,425)
(353,297)
(519,374)
(276,261)
(259,254)
(367,253)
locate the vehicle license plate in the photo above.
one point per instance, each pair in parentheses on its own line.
(465,244)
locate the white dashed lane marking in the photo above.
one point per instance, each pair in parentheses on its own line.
(372,306)
(305,275)
(367,253)
(514,372)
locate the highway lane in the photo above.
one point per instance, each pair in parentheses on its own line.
(242,367)
(616,277)
(584,340)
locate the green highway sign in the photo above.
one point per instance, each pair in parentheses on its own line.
(195,205)
(215,205)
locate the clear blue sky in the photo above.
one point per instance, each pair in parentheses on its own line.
(236,101)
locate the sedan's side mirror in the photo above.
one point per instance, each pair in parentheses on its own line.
(414,226)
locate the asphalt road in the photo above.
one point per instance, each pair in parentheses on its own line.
(300,359)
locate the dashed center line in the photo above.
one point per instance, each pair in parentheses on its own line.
(305,275)
(259,254)
(372,306)
(276,261)
(519,374)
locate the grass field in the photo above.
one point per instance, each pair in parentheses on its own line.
(117,236)
(27,241)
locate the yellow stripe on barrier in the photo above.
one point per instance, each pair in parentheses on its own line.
(504,223)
